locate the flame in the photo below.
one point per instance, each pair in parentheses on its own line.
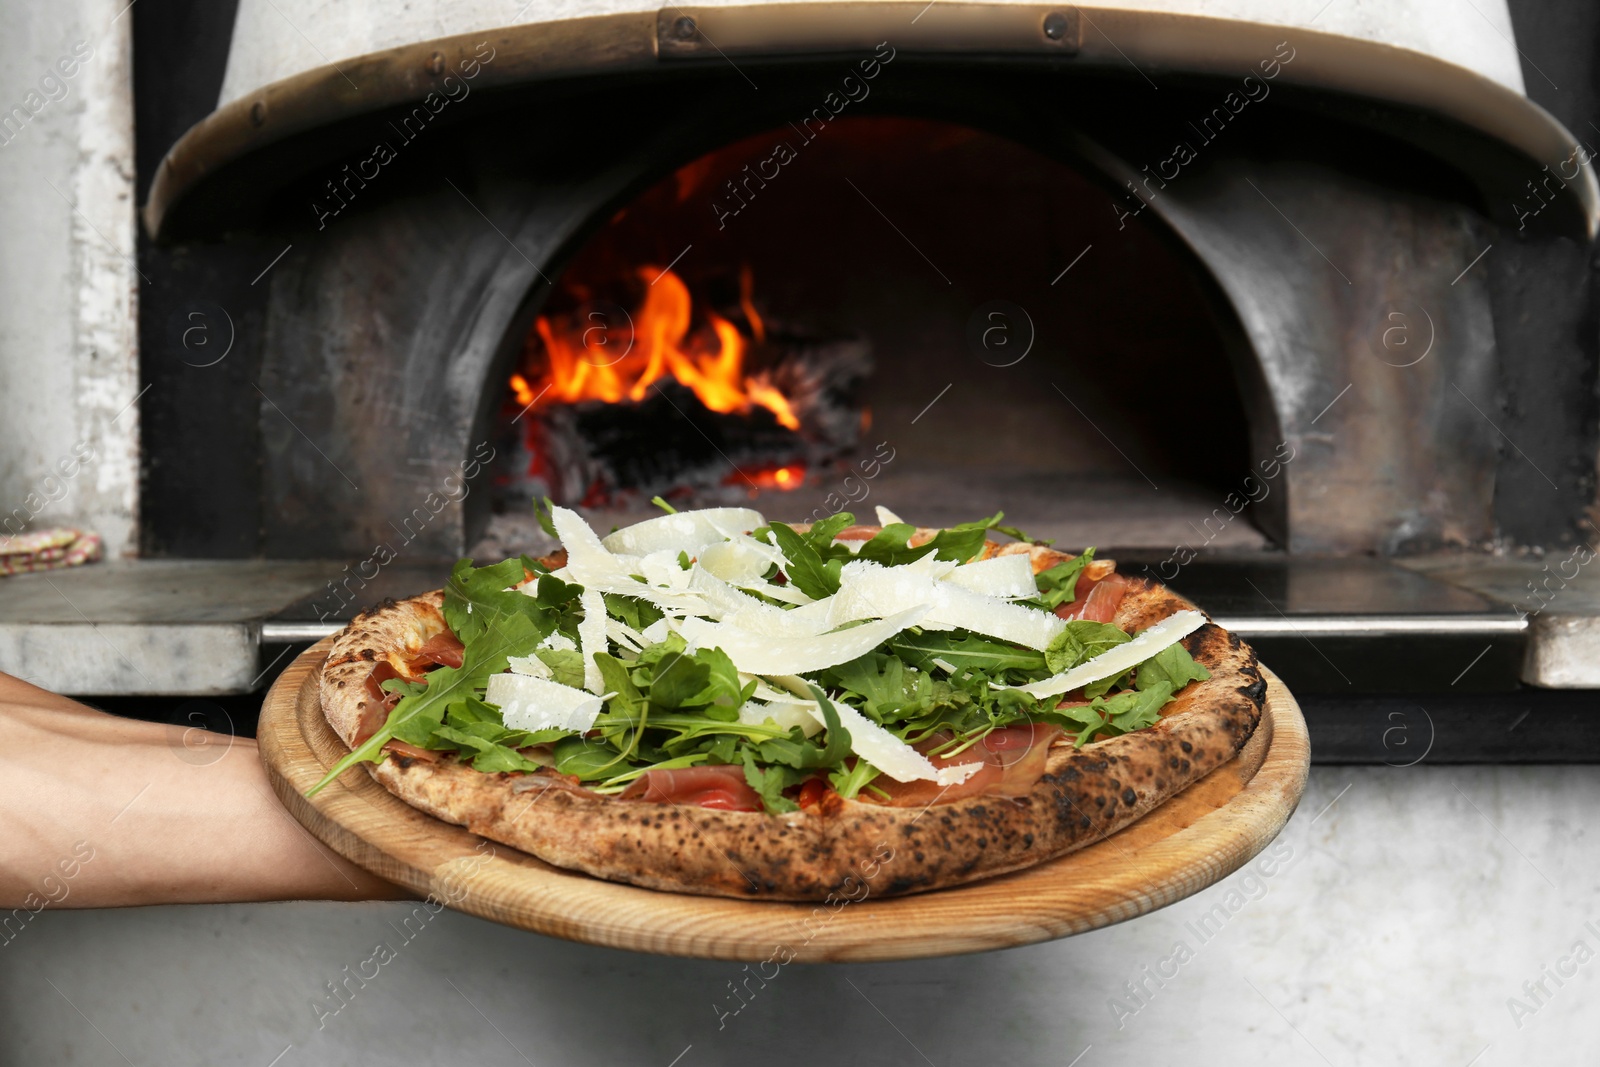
(599,360)
(523,391)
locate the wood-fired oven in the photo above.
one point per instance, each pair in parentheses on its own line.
(1294,314)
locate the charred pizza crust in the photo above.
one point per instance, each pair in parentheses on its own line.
(1084,795)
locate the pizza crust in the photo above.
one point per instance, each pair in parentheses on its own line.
(1084,795)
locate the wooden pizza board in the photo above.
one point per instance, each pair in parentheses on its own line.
(1196,838)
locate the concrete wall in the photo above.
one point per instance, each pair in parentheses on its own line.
(1405,911)
(68,355)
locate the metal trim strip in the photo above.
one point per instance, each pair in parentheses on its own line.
(273,633)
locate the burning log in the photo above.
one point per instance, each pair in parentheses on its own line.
(678,412)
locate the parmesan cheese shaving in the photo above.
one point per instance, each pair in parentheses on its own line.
(624,635)
(528,703)
(738,608)
(663,570)
(756,653)
(785,715)
(1005,577)
(592,636)
(593,566)
(532,666)
(887,517)
(889,754)
(686,531)
(1167,632)
(786,593)
(735,562)
(868,590)
(588,561)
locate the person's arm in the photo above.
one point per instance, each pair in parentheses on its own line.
(100,811)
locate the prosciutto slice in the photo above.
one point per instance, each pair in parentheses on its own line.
(401,748)
(1099,601)
(441,650)
(1013,760)
(722,787)
(379,703)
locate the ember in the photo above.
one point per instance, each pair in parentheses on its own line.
(789,477)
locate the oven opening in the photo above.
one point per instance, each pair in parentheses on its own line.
(895,311)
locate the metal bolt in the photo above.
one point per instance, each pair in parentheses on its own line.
(258,113)
(436,64)
(684,29)
(1055,25)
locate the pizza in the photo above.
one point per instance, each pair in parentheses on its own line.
(708,702)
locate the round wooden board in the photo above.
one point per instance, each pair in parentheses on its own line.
(1198,837)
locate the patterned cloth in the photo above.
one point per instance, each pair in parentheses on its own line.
(45,550)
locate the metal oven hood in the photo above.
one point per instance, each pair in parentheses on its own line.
(1451,84)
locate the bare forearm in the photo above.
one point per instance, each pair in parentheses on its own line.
(102,811)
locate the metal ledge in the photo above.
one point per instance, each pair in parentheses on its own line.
(198,627)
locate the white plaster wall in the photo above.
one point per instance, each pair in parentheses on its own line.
(68,350)
(274,39)
(1408,907)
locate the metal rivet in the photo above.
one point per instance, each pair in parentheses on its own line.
(258,113)
(684,28)
(436,63)
(1055,25)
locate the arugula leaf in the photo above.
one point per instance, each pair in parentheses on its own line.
(498,758)
(958,545)
(1172,666)
(475,595)
(504,635)
(891,546)
(1012,531)
(632,610)
(821,534)
(849,781)
(477,590)
(723,693)
(796,751)
(1082,640)
(964,540)
(959,648)
(1059,584)
(1134,709)
(807,570)
(585,757)
(677,679)
(838,737)
(566,665)
(887,689)
(1105,685)
(420,728)
(541,512)
(467,739)
(471,710)
(663,505)
(771,783)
